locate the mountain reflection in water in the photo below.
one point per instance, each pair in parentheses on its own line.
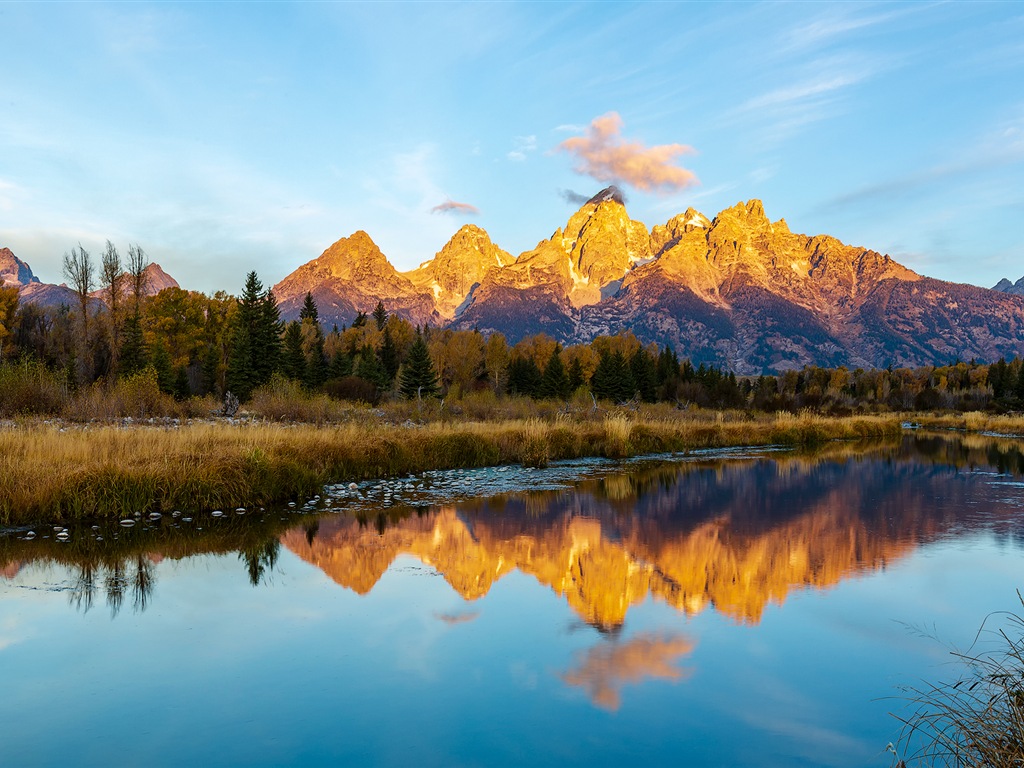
(735,534)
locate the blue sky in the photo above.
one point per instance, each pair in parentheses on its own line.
(236,136)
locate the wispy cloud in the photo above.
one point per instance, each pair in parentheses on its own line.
(801,93)
(604,155)
(1002,147)
(451,619)
(450,206)
(521,147)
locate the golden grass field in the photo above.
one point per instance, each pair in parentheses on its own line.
(62,471)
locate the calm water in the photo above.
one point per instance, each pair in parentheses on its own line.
(738,609)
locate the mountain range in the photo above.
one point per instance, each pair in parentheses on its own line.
(737,290)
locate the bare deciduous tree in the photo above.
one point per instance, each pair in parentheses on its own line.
(113,283)
(137,277)
(78,271)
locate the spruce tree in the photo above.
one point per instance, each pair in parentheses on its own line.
(388,355)
(380,315)
(164,370)
(554,384)
(418,377)
(294,363)
(211,369)
(240,376)
(132,358)
(577,378)
(309,309)
(316,361)
(341,365)
(256,347)
(524,377)
(267,346)
(181,388)
(369,369)
(612,380)
(643,369)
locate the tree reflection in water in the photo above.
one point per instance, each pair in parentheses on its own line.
(134,574)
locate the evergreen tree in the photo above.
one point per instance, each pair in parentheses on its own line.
(133,347)
(180,387)
(316,361)
(294,363)
(240,377)
(576,376)
(388,354)
(380,315)
(368,368)
(668,366)
(341,365)
(554,383)
(309,309)
(1019,389)
(360,320)
(418,377)
(164,370)
(267,345)
(256,347)
(998,378)
(211,369)
(644,371)
(612,380)
(524,377)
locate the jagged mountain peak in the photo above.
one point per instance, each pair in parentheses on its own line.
(609,194)
(1005,286)
(458,268)
(14,271)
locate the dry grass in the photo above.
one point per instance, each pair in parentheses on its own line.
(975,421)
(49,472)
(978,718)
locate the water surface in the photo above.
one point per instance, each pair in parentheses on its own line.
(743,608)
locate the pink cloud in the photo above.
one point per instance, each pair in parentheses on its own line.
(603,154)
(450,206)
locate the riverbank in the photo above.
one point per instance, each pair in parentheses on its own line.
(51,471)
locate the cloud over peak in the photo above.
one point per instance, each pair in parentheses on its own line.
(458,209)
(604,155)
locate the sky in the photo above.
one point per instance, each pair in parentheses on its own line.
(229,137)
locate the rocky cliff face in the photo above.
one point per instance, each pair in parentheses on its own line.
(458,269)
(737,290)
(1005,286)
(14,271)
(351,277)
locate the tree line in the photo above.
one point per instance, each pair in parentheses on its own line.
(196,344)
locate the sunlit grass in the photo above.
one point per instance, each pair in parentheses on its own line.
(53,472)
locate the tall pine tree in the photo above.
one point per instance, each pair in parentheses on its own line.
(418,376)
(554,384)
(256,347)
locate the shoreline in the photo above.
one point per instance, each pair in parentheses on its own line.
(57,472)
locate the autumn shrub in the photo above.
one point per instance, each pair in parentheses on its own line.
(283,399)
(29,387)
